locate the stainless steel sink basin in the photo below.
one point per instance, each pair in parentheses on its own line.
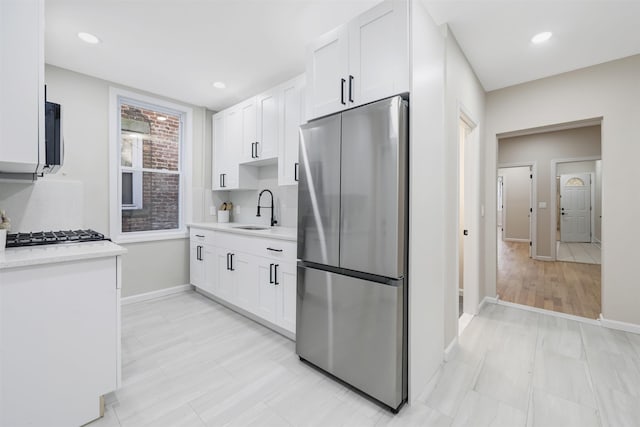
(251,227)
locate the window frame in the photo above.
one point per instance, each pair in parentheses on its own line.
(118,96)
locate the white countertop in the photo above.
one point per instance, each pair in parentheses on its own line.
(46,254)
(282,233)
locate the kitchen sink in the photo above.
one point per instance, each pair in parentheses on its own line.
(251,227)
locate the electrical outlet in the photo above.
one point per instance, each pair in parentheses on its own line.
(212,210)
(237,209)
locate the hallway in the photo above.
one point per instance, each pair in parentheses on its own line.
(566,287)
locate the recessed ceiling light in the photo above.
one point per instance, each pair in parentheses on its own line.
(161,118)
(219,85)
(88,38)
(541,37)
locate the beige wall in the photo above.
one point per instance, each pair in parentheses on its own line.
(516,201)
(610,91)
(541,148)
(463,93)
(85,101)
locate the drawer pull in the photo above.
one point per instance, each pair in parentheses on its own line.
(199,235)
(274,250)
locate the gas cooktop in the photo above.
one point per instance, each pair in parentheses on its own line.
(15,240)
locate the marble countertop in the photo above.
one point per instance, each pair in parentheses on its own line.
(282,233)
(46,254)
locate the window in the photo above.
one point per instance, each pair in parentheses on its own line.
(149,187)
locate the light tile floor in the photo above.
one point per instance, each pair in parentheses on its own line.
(586,253)
(188,361)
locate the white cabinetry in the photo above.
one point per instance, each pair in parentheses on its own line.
(256,132)
(59,340)
(256,275)
(21,85)
(230,127)
(360,62)
(291,117)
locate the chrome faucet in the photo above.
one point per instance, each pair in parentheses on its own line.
(273,220)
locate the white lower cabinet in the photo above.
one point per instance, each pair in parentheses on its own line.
(254,274)
(277,292)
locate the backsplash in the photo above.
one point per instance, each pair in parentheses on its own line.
(43,205)
(285,200)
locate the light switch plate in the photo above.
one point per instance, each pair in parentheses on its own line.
(542,205)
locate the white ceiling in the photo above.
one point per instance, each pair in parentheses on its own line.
(177,48)
(495,35)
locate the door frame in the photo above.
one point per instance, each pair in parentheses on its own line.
(471,298)
(554,196)
(533,203)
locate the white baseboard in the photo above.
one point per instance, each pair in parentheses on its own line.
(510,239)
(451,350)
(155,294)
(549,312)
(543,258)
(621,326)
(487,300)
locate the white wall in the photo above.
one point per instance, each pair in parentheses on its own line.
(85,103)
(426,201)
(517,200)
(610,91)
(464,94)
(285,200)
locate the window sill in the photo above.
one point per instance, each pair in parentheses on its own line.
(150,236)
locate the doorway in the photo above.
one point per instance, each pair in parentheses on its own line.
(563,215)
(578,210)
(468,221)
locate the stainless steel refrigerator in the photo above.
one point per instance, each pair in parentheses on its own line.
(352,248)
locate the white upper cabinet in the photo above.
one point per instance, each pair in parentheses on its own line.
(21,85)
(259,131)
(379,53)
(291,117)
(248,132)
(327,71)
(361,62)
(267,129)
(230,127)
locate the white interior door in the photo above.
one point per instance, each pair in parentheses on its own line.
(575,207)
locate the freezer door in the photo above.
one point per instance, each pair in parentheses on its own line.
(352,328)
(319,192)
(374,185)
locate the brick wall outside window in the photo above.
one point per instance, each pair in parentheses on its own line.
(160,191)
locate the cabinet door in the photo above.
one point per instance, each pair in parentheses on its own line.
(267,290)
(232,146)
(223,286)
(248,117)
(378,53)
(196,264)
(245,281)
(209,269)
(326,68)
(291,117)
(267,126)
(21,85)
(219,151)
(286,296)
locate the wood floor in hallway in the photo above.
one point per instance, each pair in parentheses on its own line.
(566,287)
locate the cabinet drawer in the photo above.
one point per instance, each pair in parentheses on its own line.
(260,246)
(200,236)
